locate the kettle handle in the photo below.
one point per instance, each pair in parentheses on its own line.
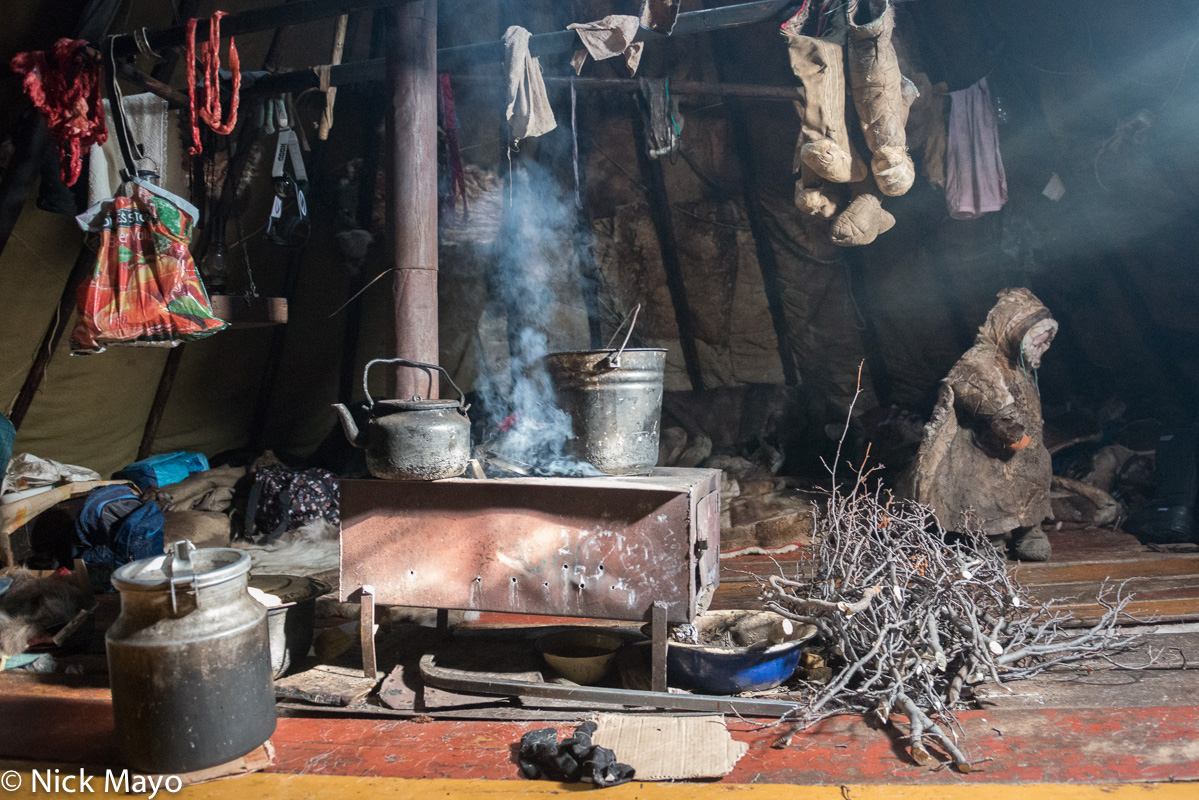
(405,362)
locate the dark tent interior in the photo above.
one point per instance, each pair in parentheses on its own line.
(861,330)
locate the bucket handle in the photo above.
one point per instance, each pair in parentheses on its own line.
(614,360)
(370,402)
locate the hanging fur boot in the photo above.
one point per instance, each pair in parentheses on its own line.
(863,220)
(819,64)
(879,93)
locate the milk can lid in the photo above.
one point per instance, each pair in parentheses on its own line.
(205,567)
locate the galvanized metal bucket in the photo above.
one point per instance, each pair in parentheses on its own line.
(614,399)
(189,661)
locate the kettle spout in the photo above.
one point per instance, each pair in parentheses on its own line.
(348,425)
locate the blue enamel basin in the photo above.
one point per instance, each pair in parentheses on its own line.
(717,670)
(731,670)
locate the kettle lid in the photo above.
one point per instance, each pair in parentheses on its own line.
(415,403)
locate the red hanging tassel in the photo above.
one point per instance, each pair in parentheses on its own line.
(210,56)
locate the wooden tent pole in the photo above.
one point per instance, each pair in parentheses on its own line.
(861,296)
(29,140)
(763,244)
(349,377)
(659,211)
(54,331)
(94,21)
(163,71)
(165,382)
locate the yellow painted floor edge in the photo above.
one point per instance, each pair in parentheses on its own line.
(275,786)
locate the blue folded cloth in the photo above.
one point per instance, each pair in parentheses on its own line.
(162,470)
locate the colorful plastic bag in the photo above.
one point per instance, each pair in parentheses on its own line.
(145,290)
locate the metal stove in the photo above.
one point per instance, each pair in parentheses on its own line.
(621,548)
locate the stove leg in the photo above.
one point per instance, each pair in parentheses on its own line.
(443,619)
(366,632)
(658,646)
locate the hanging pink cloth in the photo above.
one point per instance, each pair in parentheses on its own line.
(975,183)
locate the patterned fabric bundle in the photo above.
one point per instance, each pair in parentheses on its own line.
(145,289)
(282,500)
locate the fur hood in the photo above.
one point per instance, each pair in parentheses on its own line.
(1016,313)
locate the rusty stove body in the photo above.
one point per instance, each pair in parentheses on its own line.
(605,548)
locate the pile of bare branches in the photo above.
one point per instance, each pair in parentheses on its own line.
(912,619)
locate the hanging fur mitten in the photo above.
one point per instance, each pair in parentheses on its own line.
(819,64)
(814,195)
(863,220)
(879,93)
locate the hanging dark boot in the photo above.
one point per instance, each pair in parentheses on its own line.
(879,93)
(820,66)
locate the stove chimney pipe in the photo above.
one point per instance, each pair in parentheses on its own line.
(412,189)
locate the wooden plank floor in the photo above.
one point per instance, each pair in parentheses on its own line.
(1166,585)
(1025,745)
(1109,727)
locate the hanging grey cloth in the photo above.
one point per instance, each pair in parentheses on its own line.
(528,112)
(663,121)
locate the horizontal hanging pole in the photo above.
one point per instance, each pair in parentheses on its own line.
(365,71)
(259,19)
(458,59)
(544,44)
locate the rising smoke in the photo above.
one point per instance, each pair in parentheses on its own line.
(535,283)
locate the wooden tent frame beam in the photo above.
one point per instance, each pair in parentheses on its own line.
(252,21)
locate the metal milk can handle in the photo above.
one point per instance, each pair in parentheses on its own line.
(416,364)
(614,360)
(180,565)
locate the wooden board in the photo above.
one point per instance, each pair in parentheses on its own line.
(249,312)
(326,685)
(1166,584)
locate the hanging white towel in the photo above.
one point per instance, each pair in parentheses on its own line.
(148,119)
(529,112)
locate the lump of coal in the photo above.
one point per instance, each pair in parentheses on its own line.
(572,759)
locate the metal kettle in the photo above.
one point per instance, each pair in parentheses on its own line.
(415,439)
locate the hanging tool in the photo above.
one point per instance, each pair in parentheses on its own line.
(289,214)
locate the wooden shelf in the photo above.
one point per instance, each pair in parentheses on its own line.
(250,312)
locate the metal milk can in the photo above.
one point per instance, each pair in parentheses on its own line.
(189,661)
(414,439)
